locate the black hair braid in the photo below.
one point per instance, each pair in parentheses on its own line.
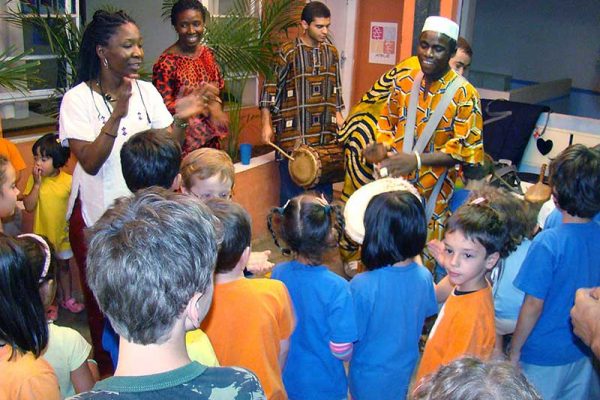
(340,222)
(276,210)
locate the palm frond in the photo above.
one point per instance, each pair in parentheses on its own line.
(15,72)
(166,9)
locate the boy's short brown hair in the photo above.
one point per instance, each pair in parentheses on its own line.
(205,163)
(237,232)
(575,180)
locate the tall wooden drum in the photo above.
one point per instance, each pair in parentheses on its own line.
(313,165)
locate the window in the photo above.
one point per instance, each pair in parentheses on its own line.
(52,70)
(218,8)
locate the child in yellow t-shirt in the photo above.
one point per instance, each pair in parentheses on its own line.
(47,195)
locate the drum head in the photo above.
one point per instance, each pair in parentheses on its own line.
(305,167)
(354,212)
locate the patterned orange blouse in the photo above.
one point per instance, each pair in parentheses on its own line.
(174,72)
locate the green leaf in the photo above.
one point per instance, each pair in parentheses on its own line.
(17,73)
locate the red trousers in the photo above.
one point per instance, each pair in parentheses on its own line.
(95,316)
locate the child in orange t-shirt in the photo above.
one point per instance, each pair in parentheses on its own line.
(474,240)
(23,327)
(251,320)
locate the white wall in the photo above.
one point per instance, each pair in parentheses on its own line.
(539,40)
(157,34)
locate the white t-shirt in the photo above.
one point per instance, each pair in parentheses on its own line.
(83,113)
(66,351)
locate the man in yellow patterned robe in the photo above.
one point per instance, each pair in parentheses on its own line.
(359,128)
(457,138)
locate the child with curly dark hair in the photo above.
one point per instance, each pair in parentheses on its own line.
(326,327)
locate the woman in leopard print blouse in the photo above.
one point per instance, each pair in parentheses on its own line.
(186,65)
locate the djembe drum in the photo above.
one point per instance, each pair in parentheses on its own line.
(354,211)
(312,165)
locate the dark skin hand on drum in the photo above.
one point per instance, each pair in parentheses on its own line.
(402,164)
(375,152)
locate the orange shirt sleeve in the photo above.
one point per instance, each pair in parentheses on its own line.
(13,155)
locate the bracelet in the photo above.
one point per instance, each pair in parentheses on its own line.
(114,136)
(419,165)
(180,123)
(91,360)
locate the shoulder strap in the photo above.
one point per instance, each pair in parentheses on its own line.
(435,119)
(430,203)
(411,118)
(438,113)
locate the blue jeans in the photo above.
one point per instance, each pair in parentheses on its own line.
(289,189)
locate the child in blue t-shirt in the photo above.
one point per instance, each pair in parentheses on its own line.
(326,326)
(560,261)
(392,299)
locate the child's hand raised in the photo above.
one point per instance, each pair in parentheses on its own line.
(436,249)
(259,263)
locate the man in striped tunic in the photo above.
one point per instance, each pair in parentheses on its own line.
(303,102)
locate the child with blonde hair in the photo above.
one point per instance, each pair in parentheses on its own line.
(209,173)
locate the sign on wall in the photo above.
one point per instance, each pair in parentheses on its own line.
(383,43)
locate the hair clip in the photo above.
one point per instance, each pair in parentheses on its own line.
(478,200)
(46,248)
(57,140)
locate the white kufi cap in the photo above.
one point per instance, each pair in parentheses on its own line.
(441,25)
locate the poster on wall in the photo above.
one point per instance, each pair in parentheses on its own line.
(382,43)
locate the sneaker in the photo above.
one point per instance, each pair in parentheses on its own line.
(72,305)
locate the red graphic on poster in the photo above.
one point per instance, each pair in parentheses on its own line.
(377,32)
